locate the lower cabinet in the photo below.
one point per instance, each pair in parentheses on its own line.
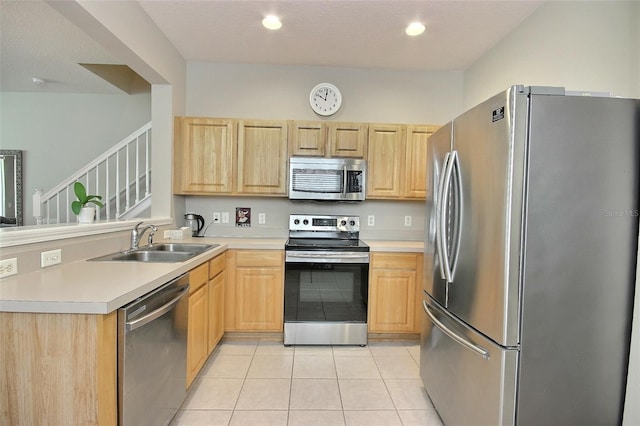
(216,300)
(255,295)
(395,283)
(197,338)
(206,313)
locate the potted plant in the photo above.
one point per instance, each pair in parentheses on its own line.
(81,207)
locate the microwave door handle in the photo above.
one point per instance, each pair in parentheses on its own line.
(344,181)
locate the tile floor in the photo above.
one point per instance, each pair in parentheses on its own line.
(263,383)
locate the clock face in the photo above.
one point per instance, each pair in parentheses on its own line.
(325,99)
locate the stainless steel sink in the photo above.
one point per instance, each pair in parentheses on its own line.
(158,253)
(180,247)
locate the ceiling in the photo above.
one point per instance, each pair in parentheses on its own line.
(36,41)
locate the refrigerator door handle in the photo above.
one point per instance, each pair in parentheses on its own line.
(444,200)
(440,214)
(458,339)
(459,209)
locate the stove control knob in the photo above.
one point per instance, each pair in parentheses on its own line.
(343,222)
(306,221)
(296,221)
(352,222)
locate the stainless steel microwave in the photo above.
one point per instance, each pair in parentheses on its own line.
(333,179)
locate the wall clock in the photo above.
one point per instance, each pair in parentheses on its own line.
(325,99)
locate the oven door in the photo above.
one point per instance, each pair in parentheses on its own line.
(325,299)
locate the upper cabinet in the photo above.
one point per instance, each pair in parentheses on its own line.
(204,155)
(262,157)
(330,139)
(415,182)
(397,161)
(230,157)
(215,156)
(385,161)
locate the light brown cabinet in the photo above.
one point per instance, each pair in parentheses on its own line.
(58,369)
(229,157)
(254,292)
(397,161)
(331,139)
(204,155)
(262,157)
(415,165)
(385,160)
(197,337)
(394,292)
(206,313)
(216,300)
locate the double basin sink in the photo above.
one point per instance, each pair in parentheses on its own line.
(159,253)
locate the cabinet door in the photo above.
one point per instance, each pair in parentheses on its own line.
(307,138)
(385,161)
(216,310)
(262,157)
(347,139)
(259,299)
(391,300)
(394,292)
(204,156)
(415,182)
(197,341)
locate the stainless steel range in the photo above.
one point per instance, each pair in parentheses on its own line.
(326,283)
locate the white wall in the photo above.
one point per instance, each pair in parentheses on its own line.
(282,92)
(592,46)
(60,133)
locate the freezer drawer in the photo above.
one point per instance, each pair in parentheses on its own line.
(469,379)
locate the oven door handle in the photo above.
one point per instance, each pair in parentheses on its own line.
(328,257)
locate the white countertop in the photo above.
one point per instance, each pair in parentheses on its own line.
(87,287)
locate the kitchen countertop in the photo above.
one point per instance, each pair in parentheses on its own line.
(87,287)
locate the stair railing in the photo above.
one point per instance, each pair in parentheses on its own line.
(122,176)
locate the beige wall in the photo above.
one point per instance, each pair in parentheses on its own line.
(592,46)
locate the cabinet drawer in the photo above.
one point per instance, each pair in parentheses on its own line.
(216,265)
(198,277)
(394,260)
(259,258)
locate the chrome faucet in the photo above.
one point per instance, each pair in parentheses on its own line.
(136,234)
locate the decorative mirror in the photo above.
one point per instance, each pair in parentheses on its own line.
(10,188)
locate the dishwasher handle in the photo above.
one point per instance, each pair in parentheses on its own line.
(132,325)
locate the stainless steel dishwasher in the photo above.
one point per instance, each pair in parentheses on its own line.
(152,355)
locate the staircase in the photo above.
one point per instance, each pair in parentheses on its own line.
(122,176)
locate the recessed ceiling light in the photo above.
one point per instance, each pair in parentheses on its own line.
(272,22)
(414,29)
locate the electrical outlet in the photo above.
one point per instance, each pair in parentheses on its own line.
(371,220)
(262,218)
(216,217)
(8,267)
(167,234)
(407,221)
(225,217)
(51,257)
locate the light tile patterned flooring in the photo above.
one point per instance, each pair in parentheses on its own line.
(263,383)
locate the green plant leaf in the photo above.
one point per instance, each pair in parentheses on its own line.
(76,206)
(80,191)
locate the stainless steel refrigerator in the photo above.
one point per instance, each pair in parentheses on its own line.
(530,257)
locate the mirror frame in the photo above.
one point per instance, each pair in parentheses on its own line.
(18,183)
